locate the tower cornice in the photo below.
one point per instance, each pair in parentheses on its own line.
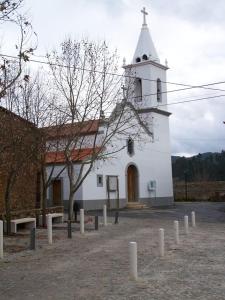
(147,62)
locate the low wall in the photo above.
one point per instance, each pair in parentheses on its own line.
(200,191)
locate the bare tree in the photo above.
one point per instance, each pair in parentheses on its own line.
(34,101)
(96,111)
(11,70)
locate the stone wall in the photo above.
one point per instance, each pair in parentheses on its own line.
(200,191)
(19,162)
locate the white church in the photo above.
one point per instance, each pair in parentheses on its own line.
(141,173)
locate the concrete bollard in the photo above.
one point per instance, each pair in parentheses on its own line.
(49,228)
(193,219)
(133,259)
(105,215)
(82,221)
(1,239)
(161,242)
(186,230)
(176,232)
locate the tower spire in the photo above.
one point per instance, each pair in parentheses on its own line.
(145,49)
(144,12)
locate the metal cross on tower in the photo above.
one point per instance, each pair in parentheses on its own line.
(144,15)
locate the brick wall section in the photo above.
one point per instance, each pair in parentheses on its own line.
(198,191)
(19,153)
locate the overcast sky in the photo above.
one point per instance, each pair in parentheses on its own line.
(189,33)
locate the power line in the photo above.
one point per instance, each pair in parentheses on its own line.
(159,105)
(187,86)
(187,101)
(200,139)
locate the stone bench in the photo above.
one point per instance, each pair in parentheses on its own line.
(56,218)
(29,223)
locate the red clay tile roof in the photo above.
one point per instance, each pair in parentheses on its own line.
(79,128)
(76,155)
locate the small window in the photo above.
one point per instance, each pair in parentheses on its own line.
(130,146)
(145,57)
(159,90)
(138,89)
(99,180)
(138,59)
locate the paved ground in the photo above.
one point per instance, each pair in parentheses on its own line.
(95,266)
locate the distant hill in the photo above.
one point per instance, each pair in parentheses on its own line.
(202,167)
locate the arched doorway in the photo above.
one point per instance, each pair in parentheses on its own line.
(132,184)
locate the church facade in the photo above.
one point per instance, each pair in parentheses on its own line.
(141,172)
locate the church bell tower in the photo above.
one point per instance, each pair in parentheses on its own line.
(147,74)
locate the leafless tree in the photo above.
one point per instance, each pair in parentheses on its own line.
(34,101)
(96,111)
(11,70)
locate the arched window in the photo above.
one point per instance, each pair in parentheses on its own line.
(138,90)
(130,146)
(145,57)
(159,90)
(138,59)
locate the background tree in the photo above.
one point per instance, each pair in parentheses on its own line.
(34,101)
(10,71)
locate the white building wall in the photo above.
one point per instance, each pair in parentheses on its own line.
(149,74)
(65,183)
(153,161)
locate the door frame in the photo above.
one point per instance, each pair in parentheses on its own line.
(61,188)
(137,182)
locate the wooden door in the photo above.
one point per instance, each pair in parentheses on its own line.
(56,192)
(131,183)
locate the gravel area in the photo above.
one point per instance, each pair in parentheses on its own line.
(95,265)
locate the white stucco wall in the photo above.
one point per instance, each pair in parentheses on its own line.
(65,182)
(149,74)
(152,159)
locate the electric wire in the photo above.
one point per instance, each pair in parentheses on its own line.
(187,86)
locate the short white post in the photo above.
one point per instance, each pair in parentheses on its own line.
(82,221)
(104,215)
(49,227)
(176,232)
(133,259)
(1,239)
(186,231)
(161,242)
(193,219)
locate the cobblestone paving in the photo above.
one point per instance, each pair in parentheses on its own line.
(95,265)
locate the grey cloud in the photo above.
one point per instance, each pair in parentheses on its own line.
(197,135)
(193,10)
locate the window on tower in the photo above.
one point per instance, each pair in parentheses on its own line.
(159,90)
(138,90)
(130,146)
(145,57)
(138,59)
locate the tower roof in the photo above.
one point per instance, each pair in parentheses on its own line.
(145,49)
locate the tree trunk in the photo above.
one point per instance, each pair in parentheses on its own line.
(44,202)
(71,202)
(43,195)
(8,212)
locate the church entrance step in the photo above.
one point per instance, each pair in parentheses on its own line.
(136,205)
